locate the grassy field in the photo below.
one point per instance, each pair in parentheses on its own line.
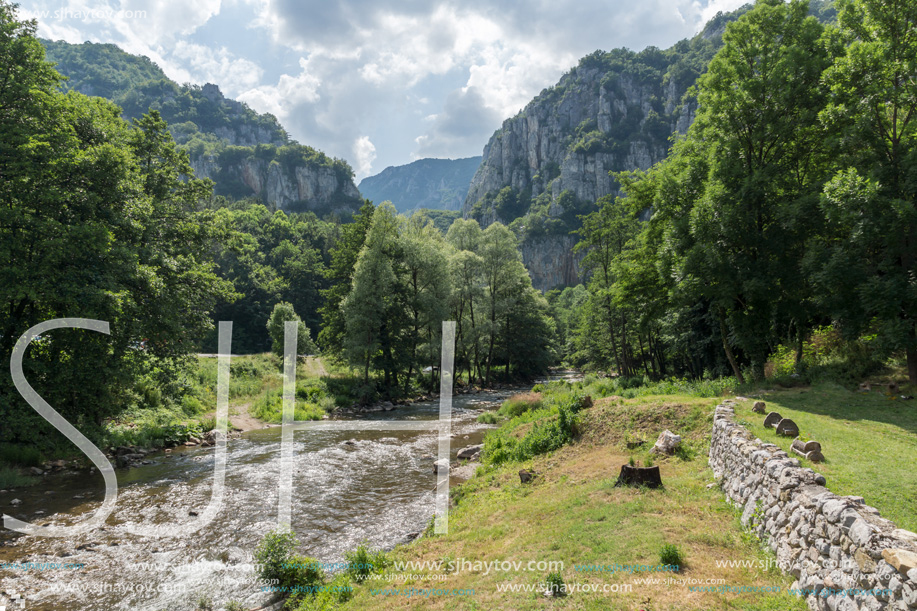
(869,440)
(573,514)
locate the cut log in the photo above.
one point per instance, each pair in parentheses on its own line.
(813,455)
(804,447)
(772,419)
(787,428)
(758,407)
(639,476)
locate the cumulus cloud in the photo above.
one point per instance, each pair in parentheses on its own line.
(459,131)
(424,77)
(234,75)
(364,152)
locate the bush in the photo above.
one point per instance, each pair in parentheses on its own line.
(487,418)
(363,562)
(670,555)
(555,584)
(269,407)
(235,605)
(545,436)
(521,403)
(334,594)
(25,456)
(273,552)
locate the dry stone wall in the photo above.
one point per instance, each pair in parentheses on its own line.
(843,554)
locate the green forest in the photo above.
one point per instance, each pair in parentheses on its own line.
(782,228)
(780,238)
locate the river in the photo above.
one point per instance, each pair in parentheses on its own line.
(376,490)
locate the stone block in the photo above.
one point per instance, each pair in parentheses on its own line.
(900,559)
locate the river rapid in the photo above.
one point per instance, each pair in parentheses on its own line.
(349,487)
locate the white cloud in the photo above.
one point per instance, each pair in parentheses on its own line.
(425,77)
(234,75)
(365,153)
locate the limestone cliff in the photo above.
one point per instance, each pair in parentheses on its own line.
(613,112)
(290,182)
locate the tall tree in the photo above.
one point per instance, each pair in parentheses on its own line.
(758,125)
(340,276)
(865,268)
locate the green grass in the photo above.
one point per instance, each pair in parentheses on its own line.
(12,478)
(23,456)
(269,407)
(574,514)
(868,439)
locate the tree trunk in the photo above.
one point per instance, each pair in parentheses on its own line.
(728,350)
(911,365)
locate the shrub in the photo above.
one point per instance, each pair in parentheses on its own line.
(191,405)
(12,478)
(521,403)
(546,435)
(334,594)
(670,555)
(269,407)
(487,418)
(555,584)
(273,552)
(235,605)
(363,562)
(15,454)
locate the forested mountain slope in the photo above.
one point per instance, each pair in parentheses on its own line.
(245,153)
(436,184)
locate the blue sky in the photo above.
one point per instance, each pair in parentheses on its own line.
(376,82)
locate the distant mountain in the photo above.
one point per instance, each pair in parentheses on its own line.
(436,184)
(245,153)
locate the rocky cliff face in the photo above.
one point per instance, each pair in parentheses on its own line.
(613,112)
(537,149)
(245,153)
(436,184)
(303,187)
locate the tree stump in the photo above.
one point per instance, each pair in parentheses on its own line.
(526,476)
(639,476)
(758,407)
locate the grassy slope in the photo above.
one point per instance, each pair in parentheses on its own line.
(868,439)
(574,514)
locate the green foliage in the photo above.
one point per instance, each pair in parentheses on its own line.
(20,455)
(555,584)
(130,247)
(363,562)
(671,555)
(273,555)
(487,418)
(269,407)
(234,605)
(276,326)
(270,257)
(11,477)
(550,430)
(519,404)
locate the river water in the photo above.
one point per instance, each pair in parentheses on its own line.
(376,490)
